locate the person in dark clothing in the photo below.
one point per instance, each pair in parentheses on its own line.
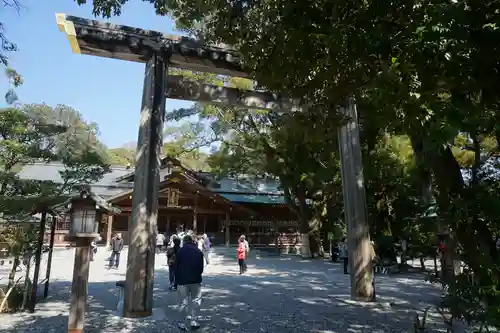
(116,246)
(335,250)
(343,253)
(171,255)
(188,276)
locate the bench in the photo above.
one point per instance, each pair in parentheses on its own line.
(120,286)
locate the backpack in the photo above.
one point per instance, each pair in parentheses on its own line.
(170,256)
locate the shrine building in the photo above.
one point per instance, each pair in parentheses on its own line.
(223,208)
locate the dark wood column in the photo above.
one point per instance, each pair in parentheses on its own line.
(138,300)
(227,232)
(79,286)
(195,215)
(109,231)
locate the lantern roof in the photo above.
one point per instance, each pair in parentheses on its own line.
(86,193)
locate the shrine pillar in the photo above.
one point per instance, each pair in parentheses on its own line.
(109,231)
(227,234)
(195,216)
(205,217)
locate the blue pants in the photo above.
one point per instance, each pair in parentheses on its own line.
(171,276)
(114,259)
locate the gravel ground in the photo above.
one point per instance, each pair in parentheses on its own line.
(278,295)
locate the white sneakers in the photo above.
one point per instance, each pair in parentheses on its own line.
(192,323)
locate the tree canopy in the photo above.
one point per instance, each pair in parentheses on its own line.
(180,141)
(425,76)
(40,133)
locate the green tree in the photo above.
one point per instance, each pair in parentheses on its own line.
(6,46)
(121,156)
(257,142)
(37,133)
(422,69)
(180,141)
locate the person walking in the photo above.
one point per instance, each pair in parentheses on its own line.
(188,277)
(93,249)
(199,243)
(206,248)
(241,254)
(116,248)
(335,251)
(344,254)
(160,241)
(247,250)
(171,259)
(181,233)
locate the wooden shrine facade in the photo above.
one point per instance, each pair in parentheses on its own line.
(184,202)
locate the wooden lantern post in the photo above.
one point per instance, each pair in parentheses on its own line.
(85,215)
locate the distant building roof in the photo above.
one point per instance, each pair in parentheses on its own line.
(238,189)
(254,198)
(247,185)
(106,187)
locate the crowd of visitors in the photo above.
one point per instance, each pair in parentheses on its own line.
(187,255)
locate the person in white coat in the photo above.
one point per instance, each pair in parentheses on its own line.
(207,245)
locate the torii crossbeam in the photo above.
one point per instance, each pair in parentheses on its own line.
(160,51)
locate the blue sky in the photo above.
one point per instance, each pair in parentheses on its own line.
(106,91)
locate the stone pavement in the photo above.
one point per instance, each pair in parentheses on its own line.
(278,295)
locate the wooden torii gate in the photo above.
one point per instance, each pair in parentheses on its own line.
(159,52)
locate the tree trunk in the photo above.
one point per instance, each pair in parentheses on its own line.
(450,183)
(305,250)
(13,270)
(316,245)
(449,179)
(422,262)
(354,198)
(300,209)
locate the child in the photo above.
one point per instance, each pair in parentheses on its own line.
(241,254)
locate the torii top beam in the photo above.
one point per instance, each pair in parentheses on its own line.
(133,44)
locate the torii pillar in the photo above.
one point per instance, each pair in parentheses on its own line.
(138,297)
(131,44)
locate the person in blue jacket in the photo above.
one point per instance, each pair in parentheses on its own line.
(188,277)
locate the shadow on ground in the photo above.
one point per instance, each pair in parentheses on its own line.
(278,295)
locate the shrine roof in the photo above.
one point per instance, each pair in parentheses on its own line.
(246,185)
(105,187)
(192,184)
(249,190)
(242,189)
(254,198)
